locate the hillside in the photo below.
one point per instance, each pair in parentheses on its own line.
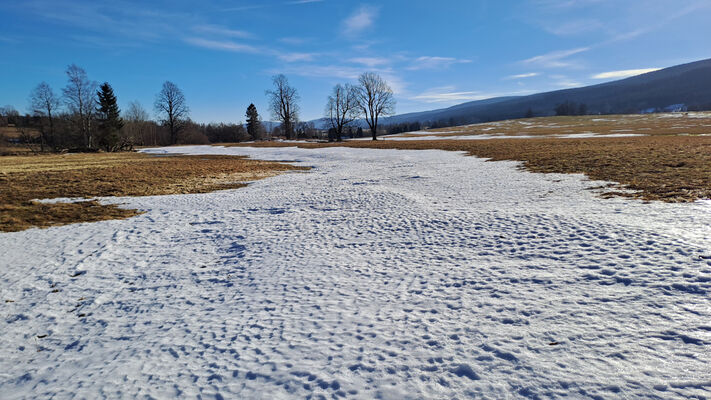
(687,84)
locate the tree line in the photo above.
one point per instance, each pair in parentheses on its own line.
(85,116)
(370,99)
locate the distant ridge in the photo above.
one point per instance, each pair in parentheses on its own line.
(688,85)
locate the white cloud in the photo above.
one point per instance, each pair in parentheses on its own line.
(555,59)
(448,94)
(360,20)
(293,57)
(344,72)
(427,62)
(245,8)
(224,45)
(221,31)
(574,27)
(294,41)
(624,73)
(322,71)
(569,84)
(523,76)
(563,81)
(370,61)
(304,1)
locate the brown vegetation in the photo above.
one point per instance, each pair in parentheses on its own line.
(666,168)
(694,123)
(25,178)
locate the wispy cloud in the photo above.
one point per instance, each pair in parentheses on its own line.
(304,1)
(624,73)
(245,8)
(555,59)
(134,23)
(294,57)
(343,72)
(563,81)
(370,61)
(574,27)
(523,76)
(232,46)
(359,21)
(261,6)
(221,31)
(567,3)
(448,94)
(427,62)
(322,71)
(225,45)
(294,41)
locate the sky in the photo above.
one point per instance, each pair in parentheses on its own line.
(223,54)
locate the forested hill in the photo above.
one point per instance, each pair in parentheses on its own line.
(686,86)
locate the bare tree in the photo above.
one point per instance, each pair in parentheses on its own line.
(28,139)
(171,108)
(79,96)
(282,104)
(342,108)
(139,129)
(135,123)
(135,112)
(44,103)
(375,98)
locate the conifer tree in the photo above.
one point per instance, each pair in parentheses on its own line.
(110,122)
(253,123)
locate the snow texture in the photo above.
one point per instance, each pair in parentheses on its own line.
(378,274)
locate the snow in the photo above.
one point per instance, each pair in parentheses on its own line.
(378,274)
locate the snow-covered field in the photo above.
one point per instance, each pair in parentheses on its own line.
(379,274)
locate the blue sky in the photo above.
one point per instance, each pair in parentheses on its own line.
(434,54)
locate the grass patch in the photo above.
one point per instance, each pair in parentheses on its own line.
(695,123)
(26,178)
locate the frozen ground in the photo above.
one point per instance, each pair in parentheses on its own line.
(379,274)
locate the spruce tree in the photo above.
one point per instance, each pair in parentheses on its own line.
(110,122)
(253,124)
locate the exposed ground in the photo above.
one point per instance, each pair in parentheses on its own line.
(24,179)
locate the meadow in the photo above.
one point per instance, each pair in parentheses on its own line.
(647,157)
(26,179)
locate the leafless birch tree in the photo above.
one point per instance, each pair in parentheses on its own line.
(79,97)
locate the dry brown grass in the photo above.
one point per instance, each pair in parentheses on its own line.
(12,132)
(25,178)
(695,123)
(666,168)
